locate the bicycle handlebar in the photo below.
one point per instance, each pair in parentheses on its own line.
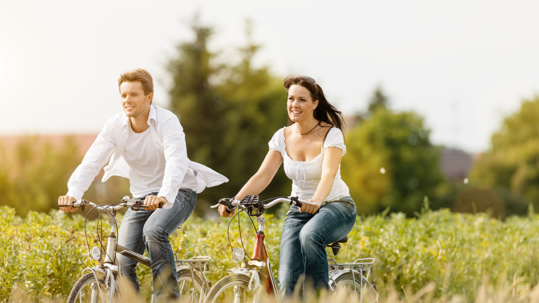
(126,202)
(232,204)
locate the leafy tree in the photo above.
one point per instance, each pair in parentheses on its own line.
(513,159)
(391,162)
(378,100)
(229,111)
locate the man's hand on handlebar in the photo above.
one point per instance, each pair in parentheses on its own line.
(67,200)
(223,212)
(153,202)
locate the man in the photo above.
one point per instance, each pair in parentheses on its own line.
(146,144)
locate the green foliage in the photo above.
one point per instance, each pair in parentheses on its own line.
(229,111)
(45,254)
(35,173)
(513,160)
(390,162)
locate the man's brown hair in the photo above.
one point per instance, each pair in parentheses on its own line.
(141,75)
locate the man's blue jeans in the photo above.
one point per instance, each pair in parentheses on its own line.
(304,240)
(150,230)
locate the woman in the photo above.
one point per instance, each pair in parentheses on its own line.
(311,148)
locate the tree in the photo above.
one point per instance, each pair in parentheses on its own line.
(229,112)
(391,162)
(378,100)
(512,162)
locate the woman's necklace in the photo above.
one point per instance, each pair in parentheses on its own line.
(310,130)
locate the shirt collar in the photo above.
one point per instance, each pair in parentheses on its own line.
(151,116)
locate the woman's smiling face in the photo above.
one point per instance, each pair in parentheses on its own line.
(300,105)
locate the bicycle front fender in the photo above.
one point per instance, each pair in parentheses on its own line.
(98,272)
(252,275)
(240,271)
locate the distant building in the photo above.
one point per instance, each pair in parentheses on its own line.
(351,122)
(455,164)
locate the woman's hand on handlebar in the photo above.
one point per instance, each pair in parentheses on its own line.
(311,209)
(67,200)
(223,212)
(153,202)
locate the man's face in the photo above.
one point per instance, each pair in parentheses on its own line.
(134,102)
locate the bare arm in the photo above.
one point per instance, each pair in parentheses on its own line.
(260,180)
(330,166)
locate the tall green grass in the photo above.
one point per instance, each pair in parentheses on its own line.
(44,254)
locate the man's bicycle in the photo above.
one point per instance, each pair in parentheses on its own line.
(99,284)
(254,278)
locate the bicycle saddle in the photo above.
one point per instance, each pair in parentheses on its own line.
(335,247)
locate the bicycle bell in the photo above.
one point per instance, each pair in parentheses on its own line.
(238,254)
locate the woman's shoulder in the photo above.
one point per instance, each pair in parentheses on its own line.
(334,137)
(277,141)
(334,132)
(280,132)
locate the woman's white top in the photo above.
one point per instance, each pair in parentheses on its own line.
(306,175)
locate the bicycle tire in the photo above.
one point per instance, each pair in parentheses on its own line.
(223,290)
(187,287)
(82,290)
(365,290)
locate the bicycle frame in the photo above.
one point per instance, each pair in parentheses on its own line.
(260,254)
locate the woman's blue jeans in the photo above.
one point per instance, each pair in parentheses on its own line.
(150,230)
(304,240)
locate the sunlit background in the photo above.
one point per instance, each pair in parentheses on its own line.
(450,72)
(463,65)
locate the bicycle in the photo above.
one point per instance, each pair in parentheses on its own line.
(255,277)
(100,283)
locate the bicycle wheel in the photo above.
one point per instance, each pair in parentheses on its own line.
(189,291)
(232,288)
(88,289)
(365,291)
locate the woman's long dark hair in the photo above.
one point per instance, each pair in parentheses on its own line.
(324,111)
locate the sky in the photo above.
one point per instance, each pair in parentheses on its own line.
(462,65)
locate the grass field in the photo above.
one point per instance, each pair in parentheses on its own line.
(454,255)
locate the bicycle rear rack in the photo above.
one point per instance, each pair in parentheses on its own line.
(364,266)
(200,264)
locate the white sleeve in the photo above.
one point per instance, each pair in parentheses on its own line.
(275,142)
(335,138)
(176,159)
(96,157)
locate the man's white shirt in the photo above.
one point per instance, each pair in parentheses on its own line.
(154,160)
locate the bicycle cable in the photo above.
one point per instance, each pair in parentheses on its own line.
(100,232)
(85,230)
(241,237)
(228,229)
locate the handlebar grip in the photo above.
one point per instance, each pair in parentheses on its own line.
(295,201)
(228,203)
(160,205)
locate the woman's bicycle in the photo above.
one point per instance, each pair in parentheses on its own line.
(99,284)
(254,278)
